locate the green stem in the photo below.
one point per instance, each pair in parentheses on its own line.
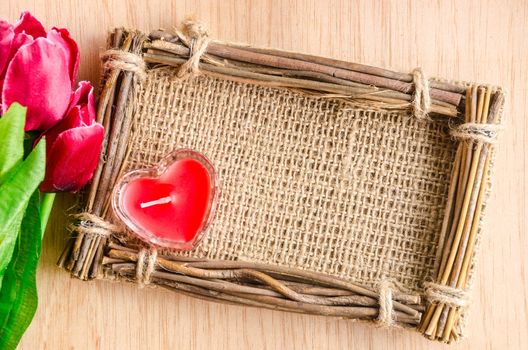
(46,204)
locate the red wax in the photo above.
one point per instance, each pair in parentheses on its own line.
(185,188)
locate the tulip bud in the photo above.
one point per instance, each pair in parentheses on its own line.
(37,70)
(73,146)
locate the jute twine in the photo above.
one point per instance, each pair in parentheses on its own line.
(146,264)
(90,224)
(196,36)
(437,293)
(421,105)
(386,308)
(126,61)
(93,225)
(421,102)
(484,133)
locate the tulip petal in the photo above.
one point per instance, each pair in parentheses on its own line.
(70,121)
(38,78)
(84,95)
(29,25)
(62,37)
(6,37)
(19,40)
(72,159)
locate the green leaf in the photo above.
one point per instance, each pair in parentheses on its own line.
(15,193)
(18,296)
(20,232)
(11,138)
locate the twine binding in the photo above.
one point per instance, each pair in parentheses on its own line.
(386,309)
(196,36)
(421,102)
(146,264)
(438,293)
(484,133)
(123,60)
(91,224)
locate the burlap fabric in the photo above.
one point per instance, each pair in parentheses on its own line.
(305,182)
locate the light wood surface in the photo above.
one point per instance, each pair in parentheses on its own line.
(484,41)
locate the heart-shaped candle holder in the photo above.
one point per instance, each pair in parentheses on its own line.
(169,205)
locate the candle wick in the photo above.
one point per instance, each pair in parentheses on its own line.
(163,200)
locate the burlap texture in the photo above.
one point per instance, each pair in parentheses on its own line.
(305,182)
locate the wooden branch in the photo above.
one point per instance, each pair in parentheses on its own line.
(383,78)
(387,99)
(228,280)
(483,107)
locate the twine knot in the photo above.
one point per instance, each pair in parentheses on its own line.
(386,309)
(196,36)
(437,293)
(146,264)
(124,60)
(485,133)
(421,102)
(93,225)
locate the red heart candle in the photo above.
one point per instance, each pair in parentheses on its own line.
(168,205)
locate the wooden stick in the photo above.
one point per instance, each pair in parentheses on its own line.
(228,270)
(479,158)
(434,317)
(464,210)
(460,187)
(439,321)
(385,97)
(260,299)
(479,191)
(225,286)
(381,72)
(365,313)
(455,188)
(284,62)
(476,160)
(448,212)
(105,110)
(446,319)
(75,265)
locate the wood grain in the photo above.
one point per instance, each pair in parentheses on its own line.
(479,40)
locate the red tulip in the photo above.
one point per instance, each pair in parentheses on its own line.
(30,25)
(73,146)
(37,70)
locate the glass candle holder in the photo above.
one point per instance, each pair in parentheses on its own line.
(169,205)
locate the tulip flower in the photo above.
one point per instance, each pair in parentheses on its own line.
(73,145)
(37,70)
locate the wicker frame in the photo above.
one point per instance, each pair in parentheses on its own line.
(99,249)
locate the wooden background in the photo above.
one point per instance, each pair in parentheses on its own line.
(484,41)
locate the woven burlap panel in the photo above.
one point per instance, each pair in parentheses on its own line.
(305,182)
